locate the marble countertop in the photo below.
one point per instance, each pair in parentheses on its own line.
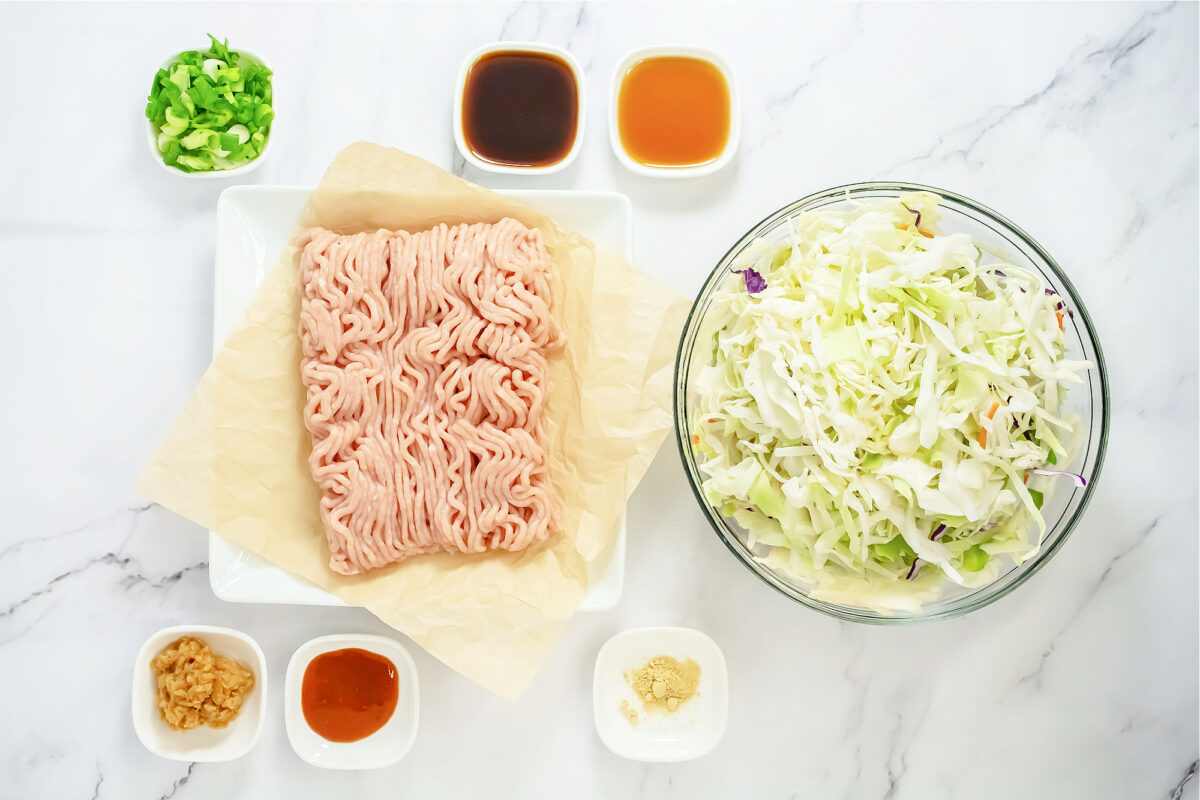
(1077,121)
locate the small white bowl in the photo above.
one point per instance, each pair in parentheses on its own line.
(383,748)
(533,47)
(203,744)
(152,134)
(691,731)
(614,110)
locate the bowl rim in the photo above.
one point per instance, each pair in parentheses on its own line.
(851,191)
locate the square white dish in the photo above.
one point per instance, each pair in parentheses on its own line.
(382,748)
(614,111)
(201,744)
(691,731)
(253,227)
(460,137)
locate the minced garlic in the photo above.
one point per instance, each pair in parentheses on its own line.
(663,684)
(196,687)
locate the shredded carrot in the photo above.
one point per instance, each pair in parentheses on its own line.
(1025,479)
(926,234)
(695,438)
(983,430)
(1059,315)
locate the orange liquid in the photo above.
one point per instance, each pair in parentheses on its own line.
(673,112)
(348,694)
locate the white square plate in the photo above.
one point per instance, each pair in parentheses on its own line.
(253,226)
(691,731)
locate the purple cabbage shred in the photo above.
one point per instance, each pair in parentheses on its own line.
(755,283)
(1060,305)
(938,532)
(916,224)
(914,569)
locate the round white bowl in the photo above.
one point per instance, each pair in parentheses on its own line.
(249,166)
(382,748)
(460,138)
(614,110)
(203,744)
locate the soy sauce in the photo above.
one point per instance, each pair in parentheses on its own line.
(520,108)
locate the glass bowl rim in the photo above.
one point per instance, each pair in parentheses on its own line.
(1024,572)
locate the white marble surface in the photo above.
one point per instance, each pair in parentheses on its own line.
(1077,121)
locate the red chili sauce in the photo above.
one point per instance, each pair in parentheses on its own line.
(348,694)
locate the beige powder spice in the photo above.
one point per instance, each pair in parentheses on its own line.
(664,684)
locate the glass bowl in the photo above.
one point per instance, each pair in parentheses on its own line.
(1088,402)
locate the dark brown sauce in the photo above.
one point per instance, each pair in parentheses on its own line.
(347,695)
(520,108)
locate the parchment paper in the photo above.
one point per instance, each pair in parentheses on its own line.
(235,460)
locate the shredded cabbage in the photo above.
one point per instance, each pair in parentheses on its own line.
(211,109)
(876,401)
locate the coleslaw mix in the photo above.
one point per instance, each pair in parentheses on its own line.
(877,398)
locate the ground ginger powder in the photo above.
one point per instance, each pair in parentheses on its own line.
(663,684)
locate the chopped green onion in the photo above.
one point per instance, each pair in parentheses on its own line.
(211,109)
(199,139)
(199,163)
